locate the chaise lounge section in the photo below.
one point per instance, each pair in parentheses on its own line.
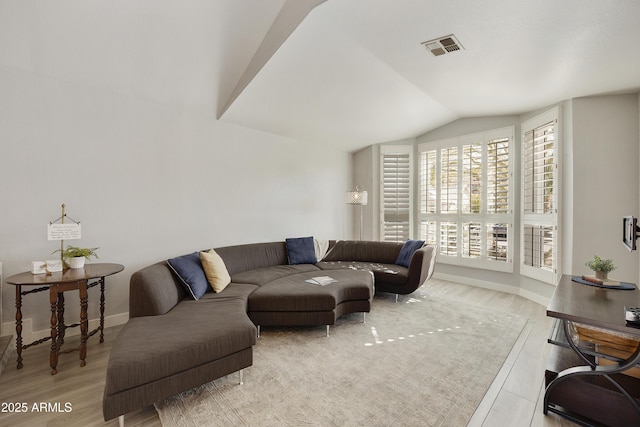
(173,342)
(392,275)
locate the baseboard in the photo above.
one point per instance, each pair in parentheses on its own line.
(532,296)
(29,335)
(501,287)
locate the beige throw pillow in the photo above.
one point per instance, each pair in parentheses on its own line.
(215,270)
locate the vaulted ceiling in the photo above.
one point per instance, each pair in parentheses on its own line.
(354,72)
(345,73)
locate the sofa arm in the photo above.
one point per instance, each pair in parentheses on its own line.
(153,290)
(421,266)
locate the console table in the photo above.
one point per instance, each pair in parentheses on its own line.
(80,279)
(591,383)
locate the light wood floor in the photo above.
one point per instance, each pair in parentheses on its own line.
(514,399)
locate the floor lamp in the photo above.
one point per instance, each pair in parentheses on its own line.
(357,197)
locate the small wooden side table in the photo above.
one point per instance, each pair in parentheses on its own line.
(58,283)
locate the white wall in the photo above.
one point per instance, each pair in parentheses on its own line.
(148,182)
(605,188)
(364,162)
(111,110)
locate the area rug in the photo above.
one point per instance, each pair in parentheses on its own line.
(424,361)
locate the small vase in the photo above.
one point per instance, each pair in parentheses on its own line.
(602,275)
(76,262)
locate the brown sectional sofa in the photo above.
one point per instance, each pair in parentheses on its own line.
(173,343)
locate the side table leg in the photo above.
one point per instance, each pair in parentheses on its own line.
(53,356)
(101,310)
(84,322)
(61,326)
(19,325)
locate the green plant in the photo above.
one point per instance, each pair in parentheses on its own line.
(73,251)
(599,264)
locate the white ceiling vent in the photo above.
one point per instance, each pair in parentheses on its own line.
(442,45)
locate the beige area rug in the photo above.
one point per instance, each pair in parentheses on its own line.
(424,361)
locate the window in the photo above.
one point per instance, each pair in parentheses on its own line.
(396,189)
(466,199)
(540,186)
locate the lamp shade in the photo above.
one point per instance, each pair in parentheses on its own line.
(357,197)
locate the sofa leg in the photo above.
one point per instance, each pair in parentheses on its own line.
(121,420)
(327,330)
(241,372)
(396,298)
(258,331)
(364,317)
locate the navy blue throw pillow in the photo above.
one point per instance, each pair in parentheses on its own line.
(301,250)
(189,270)
(409,247)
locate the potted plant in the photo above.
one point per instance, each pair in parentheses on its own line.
(600,266)
(75,257)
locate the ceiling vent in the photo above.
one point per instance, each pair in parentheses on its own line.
(442,45)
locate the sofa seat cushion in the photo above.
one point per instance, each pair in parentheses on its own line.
(386,273)
(263,275)
(293,293)
(193,333)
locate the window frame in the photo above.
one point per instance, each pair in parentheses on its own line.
(441,217)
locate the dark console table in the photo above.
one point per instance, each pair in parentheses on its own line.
(80,279)
(580,389)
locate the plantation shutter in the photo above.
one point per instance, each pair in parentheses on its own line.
(449,180)
(538,169)
(428,178)
(498,176)
(472,239)
(498,242)
(428,232)
(396,195)
(540,186)
(448,238)
(471,178)
(538,243)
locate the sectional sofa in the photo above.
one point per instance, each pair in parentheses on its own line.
(183,333)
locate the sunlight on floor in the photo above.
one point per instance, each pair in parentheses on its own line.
(377,340)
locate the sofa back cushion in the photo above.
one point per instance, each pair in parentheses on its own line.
(357,250)
(254,255)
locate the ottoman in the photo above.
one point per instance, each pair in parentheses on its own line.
(298,300)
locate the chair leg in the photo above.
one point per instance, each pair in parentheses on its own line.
(121,420)
(396,298)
